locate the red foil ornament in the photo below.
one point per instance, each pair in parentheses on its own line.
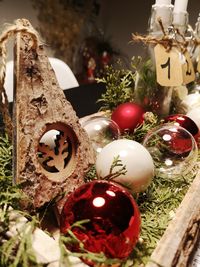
(128,116)
(182,145)
(114,218)
(183,121)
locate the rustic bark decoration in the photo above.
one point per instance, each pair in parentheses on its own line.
(176,246)
(39,108)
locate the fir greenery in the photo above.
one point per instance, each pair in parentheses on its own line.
(126,85)
(119,87)
(15,249)
(146,87)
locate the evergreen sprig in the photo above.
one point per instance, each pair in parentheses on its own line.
(17,250)
(127,85)
(146,87)
(139,133)
(119,87)
(5,164)
(97,258)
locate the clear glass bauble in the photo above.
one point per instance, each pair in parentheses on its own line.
(101,131)
(173,149)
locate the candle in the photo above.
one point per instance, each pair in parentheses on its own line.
(180,6)
(162,2)
(180,15)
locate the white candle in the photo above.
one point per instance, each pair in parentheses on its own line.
(162,2)
(180,6)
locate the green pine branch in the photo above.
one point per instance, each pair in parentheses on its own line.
(119,87)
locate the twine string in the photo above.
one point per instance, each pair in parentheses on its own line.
(161,26)
(167,40)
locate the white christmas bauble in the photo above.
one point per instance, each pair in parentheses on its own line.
(134,156)
(191,101)
(194,114)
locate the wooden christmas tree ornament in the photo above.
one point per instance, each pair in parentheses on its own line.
(51,150)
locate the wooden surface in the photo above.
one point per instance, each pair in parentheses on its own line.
(176,247)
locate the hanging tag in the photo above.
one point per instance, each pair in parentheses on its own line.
(188,69)
(168,66)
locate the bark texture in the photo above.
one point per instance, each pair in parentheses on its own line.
(176,246)
(39,106)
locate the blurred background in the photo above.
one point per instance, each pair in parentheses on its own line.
(87,34)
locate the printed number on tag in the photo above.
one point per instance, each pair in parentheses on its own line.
(168,66)
(188,69)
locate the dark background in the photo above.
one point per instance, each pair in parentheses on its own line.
(117,19)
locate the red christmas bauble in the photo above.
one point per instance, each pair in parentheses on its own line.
(128,116)
(114,218)
(183,145)
(183,121)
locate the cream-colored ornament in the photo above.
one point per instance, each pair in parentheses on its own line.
(134,156)
(194,114)
(181,91)
(191,101)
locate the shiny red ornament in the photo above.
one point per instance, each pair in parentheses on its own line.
(128,116)
(114,218)
(183,145)
(183,121)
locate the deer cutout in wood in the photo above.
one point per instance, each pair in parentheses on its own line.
(51,150)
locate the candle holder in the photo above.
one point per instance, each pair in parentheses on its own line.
(155,97)
(165,12)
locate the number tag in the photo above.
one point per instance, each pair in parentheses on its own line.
(168,66)
(188,69)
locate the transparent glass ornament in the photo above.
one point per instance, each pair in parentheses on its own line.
(101,131)
(173,149)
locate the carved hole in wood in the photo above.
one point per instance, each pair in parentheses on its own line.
(57,151)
